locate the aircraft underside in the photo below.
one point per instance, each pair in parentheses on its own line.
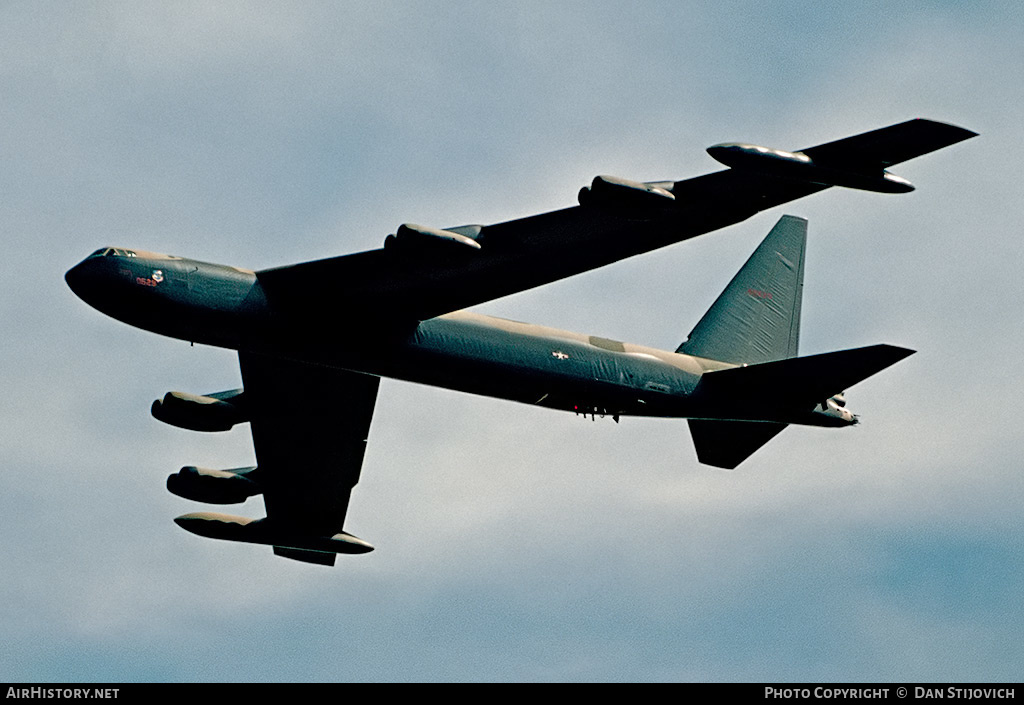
(314,338)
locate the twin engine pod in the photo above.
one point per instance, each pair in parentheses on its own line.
(197,412)
(220,412)
(215,486)
(209,413)
(415,238)
(627,197)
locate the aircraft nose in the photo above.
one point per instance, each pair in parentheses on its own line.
(88,279)
(78,277)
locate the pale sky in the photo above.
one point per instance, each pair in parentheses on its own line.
(514,543)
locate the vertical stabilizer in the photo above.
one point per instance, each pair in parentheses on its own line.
(757,318)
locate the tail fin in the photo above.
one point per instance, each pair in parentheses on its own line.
(757,318)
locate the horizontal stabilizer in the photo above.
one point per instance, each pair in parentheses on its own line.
(726,444)
(800,379)
(233,528)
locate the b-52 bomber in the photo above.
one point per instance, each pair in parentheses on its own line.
(314,339)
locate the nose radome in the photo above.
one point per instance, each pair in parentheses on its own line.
(89,278)
(76,277)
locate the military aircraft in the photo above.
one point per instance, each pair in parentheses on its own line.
(314,339)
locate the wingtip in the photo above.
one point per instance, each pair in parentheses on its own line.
(895,353)
(955,132)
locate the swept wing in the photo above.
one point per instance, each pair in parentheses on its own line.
(309,428)
(425,272)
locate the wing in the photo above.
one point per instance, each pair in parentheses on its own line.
(309,427)
(890,145)
(427,272)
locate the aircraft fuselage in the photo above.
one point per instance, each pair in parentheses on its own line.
(314,338)
(227,307)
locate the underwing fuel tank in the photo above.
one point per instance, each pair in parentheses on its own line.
(195,412)
(799,166)
(233,528)
(214,486)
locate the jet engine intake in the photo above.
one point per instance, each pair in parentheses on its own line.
(217,412)
(214,486)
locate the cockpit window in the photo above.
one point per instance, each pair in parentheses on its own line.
(106,251)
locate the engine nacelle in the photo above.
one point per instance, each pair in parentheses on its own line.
(200,413)
(214,486)
(621,194)
(799,166)
(460,239)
